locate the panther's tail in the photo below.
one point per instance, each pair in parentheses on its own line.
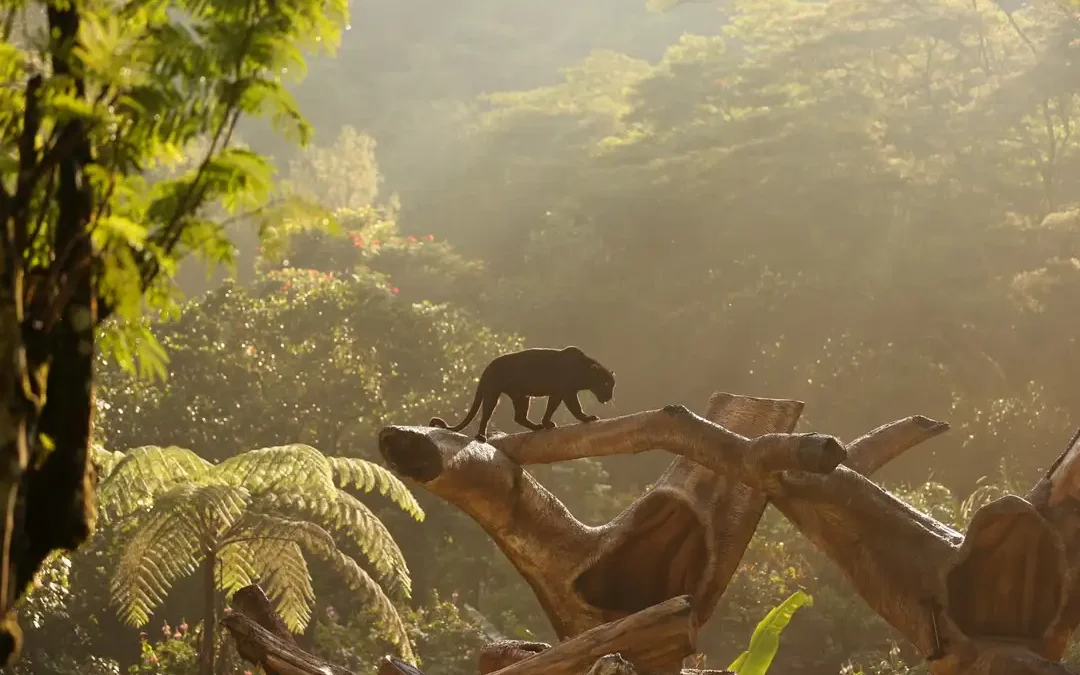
(439,422)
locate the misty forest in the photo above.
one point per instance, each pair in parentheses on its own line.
(829,250)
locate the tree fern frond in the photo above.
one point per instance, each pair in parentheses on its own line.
(365,475)
(316,540)
(283,466)
(236,566)
(165,548)
(347,518)
(353,519)
(361,581)
(106,460)
(143,473)
(284,576)
(169,544)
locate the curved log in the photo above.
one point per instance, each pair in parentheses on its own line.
(1003,599)
(685,536)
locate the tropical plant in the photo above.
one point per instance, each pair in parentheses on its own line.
(96,96)
(446,641)
(251,518)
(765,641)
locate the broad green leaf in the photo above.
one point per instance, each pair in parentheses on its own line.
(766,638)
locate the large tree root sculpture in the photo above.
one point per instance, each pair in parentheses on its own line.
(1001,600)
(683,537)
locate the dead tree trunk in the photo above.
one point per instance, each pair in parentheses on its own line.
(683,537)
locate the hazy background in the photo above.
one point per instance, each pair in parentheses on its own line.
(842,204)
(867,205)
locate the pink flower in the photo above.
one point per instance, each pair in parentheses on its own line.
(166,630)
(395,290)
(183,627)
(431,237)
(412,239)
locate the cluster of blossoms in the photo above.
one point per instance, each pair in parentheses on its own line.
(358,241)
(310,273)
(169,633)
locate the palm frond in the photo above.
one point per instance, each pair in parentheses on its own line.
(143,473)
(349,518)
(168,545)
(318,541)
(365,475)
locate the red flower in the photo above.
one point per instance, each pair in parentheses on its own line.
(395,290)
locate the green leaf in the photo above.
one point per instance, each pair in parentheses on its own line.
(766,638)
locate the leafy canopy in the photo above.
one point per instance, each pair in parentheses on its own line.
(324,351)
(255,516)
(158,87)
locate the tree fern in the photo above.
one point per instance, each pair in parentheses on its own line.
(254,517)
(133,479)
(352,472)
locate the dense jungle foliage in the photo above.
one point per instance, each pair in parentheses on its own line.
(869,205)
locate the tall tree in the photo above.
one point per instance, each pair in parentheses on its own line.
(97,94)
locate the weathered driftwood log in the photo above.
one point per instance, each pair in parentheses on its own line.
(1002,599)
(609,664)
(655,639)
(685,536)
(502,653)
(261,638)
(612,664)
(392,665)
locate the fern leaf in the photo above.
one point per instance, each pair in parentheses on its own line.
(284,575)
(318,541)
(106,460)
(165,548)
(359,580)
(279,467)
(143,473)
(365,475)
(350,519)
(168,544)
(353,519)
(236,566)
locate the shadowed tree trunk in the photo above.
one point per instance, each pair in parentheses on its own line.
(49,315)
